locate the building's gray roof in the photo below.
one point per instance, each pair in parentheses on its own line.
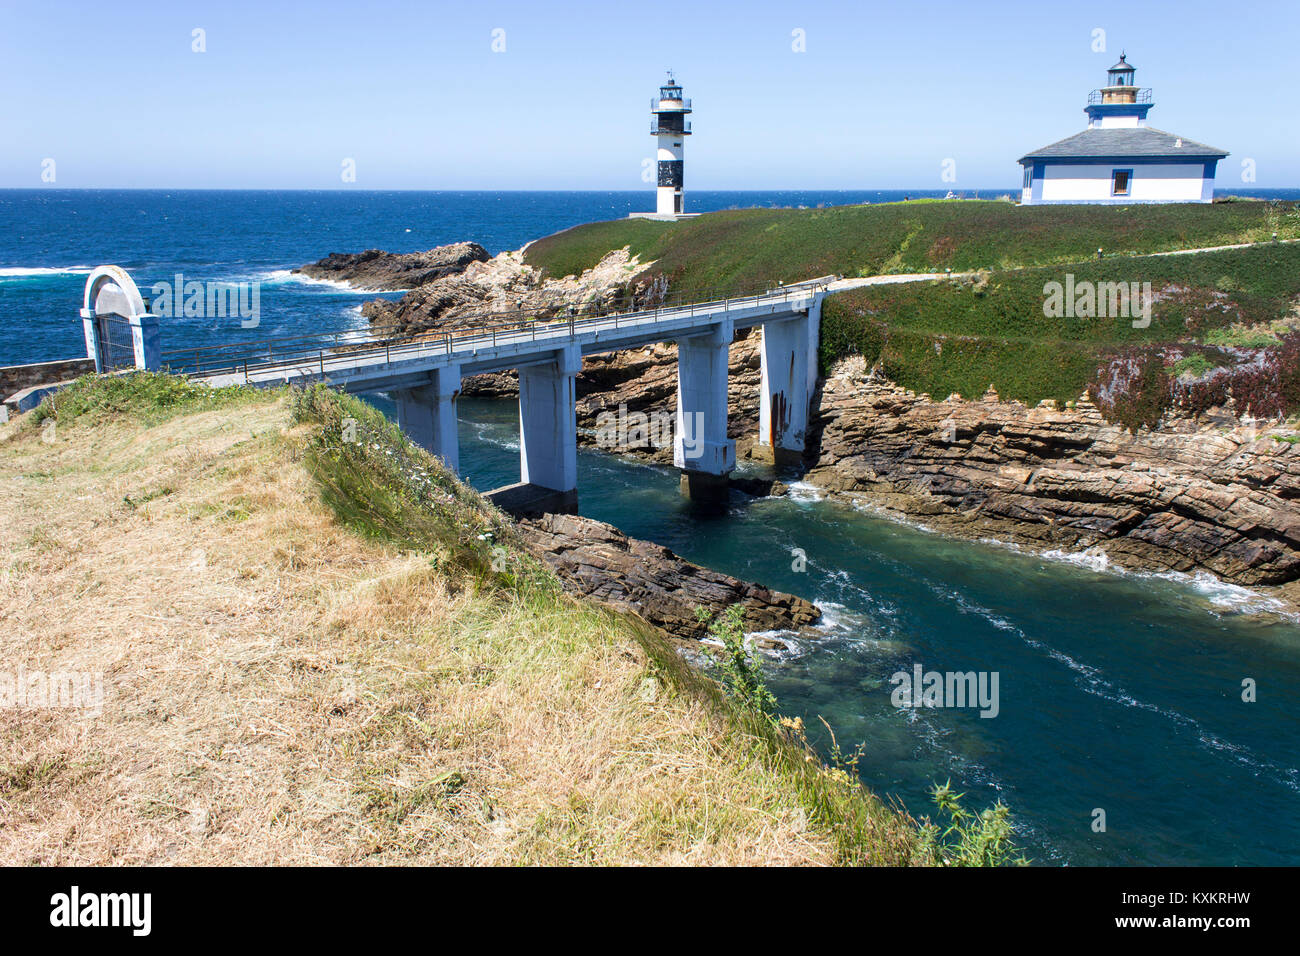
(1123,64)
(1138,141)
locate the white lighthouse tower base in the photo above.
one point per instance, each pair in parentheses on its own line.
(663,216)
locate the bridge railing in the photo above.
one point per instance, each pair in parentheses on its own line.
(318,350)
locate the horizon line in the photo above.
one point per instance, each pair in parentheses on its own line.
(962,193)
(1011,190)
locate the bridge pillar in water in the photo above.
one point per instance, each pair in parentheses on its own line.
(427,414)
(701,448)
(789,373)
(548,436)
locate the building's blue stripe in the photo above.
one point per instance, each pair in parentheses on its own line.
(1036,190)
(1207,181)
(1117,201)
(1118,109)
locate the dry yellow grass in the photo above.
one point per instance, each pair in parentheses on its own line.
(279,689)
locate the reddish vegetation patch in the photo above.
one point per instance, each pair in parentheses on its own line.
(942,250)
(1137,386)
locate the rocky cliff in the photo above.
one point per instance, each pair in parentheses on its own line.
(501,289)
(1194,494)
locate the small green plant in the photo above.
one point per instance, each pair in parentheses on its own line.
(1194,365)
(841,762)
(1238,337)
(971,839)
(742,673)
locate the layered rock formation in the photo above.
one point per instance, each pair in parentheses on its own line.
(597,561)
(1188,496)
(375,269)
(502,289)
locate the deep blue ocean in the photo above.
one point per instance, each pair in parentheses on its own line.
(1118,692)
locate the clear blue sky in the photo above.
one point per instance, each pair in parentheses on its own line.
(416,96)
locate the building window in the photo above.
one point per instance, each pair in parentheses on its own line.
(1029,176)
(1120,181)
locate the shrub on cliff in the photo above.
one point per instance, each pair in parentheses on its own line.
(742,671)
(971,839)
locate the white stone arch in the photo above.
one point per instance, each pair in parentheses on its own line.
(111,291)
(115,319)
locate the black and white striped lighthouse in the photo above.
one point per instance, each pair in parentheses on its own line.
(670,127)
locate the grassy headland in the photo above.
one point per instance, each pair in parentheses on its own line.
(317,646)
(1218,321)
(741,250)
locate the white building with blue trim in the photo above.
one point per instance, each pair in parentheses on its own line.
(1119,158)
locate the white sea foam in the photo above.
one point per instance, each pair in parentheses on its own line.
(25,272)
(1090,559)
(887,514)
(492,434)
(1090,680)
(834,616)
(1227,597)
(278,276)
(1222,596)
(803,491)
(791,647)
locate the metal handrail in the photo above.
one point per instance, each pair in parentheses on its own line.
(256,356)
(375,333)
(1141,96)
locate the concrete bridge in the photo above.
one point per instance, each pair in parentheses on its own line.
(424,377)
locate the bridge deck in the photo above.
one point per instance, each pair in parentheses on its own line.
(378,366)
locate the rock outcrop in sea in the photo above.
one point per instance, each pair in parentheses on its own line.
(595,560)
(378,270)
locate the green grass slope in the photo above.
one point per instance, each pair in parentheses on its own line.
(1228,308)
(741,250)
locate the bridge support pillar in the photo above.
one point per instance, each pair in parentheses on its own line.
(427,415)
(701,448)
(548,430)
(789,373)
